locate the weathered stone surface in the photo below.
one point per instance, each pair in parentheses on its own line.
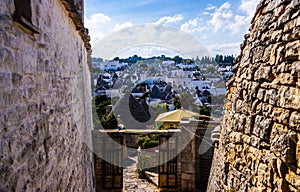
(264,154)
(295,120)
(289,97)
(262,74)
(44,101)
(285,79)
(293,51)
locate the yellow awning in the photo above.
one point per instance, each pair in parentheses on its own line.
(174,116)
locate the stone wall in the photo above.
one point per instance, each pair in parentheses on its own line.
(197,156)
(259,144)
(45,100)
(105,144)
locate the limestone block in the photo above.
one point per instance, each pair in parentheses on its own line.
(283,143)
(298,151)
(289,25)
(239,105)
(247,139)
(275,37)
(293,179)
(295,3)
(258,53)
(261,94)
(281,115)
(266,37)
(283,68)
(262,127)
(255,141)
(267,108)
(267,54)
(285,79)
(280,54)
(293,51)
(296,15)
(281,184)
(289,97)
(281,168)
(289,36)
(279,11)
(283,18)
(5,79)
(295,120)
(272,5)
(263,73)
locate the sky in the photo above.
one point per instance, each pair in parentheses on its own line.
(218,26)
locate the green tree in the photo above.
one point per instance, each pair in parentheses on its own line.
(106,118)
(210,69)
(176,102)
(177,59)
(161,108)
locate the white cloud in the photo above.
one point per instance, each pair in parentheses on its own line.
(225,6)
(168,19)
(123,26)
(98,25)
(97,18)
(192,26)
(249,6)
(149,51)
(222,17)
(210,7)
(240,23)
(225,49)
(208,10)
(225,19)
(162,36)
(146,2)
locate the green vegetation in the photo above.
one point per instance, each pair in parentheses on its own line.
(217,60)
(95,59)
(104,113)
(225,60)
(211,69)
(141,164)
(176,102)
(204,110)
(161,108)
(148,141)
(166,126)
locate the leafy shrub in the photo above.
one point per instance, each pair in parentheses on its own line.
(141,164)
(148,141)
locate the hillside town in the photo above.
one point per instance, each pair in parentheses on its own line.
(149,124)
(164,82)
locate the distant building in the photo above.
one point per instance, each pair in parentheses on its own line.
(185,82)
(213,79)
(186,66)
(169,62)
(201,84)
(114,66)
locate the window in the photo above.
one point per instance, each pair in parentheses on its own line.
(23,15)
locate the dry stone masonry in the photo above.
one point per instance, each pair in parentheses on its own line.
(259,144)
(44,98)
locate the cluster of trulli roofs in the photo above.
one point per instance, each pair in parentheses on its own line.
(158,81)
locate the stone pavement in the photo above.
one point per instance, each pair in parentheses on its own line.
(132,183)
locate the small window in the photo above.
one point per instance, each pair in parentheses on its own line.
(23,15)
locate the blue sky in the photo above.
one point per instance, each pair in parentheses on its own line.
(218,25)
